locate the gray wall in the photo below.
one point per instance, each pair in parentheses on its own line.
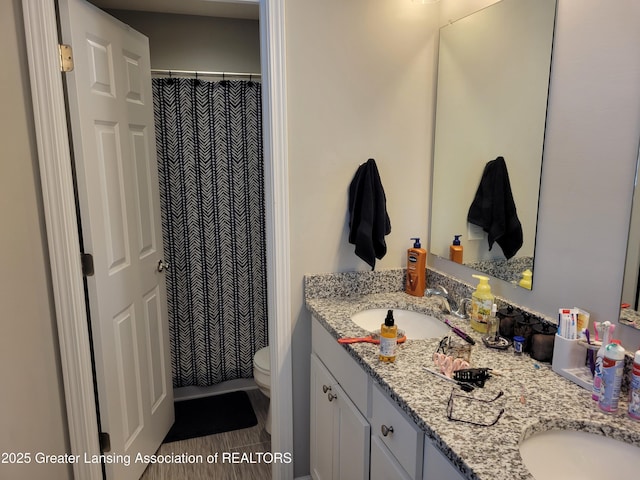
(360,84)
(187,42)
(33,417)
(356,92)
(353,93)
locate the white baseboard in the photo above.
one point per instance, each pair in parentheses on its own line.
(189,393)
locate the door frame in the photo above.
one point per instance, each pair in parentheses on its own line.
(56,175)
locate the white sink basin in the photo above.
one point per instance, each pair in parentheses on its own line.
(415,325)
(568,455)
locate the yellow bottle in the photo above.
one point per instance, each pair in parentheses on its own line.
(525,282)
(481,303)
(455,250)
(388,339)
(416,280)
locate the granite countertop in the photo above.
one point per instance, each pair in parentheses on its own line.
(630,318)
(535,398)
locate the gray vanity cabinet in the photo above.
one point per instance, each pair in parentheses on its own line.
(339,432)
(436,465)
(357,432)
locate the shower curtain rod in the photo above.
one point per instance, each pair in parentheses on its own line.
(203,74)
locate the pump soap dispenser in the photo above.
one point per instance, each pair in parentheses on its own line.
(455,250)
(416,280)
(481,302)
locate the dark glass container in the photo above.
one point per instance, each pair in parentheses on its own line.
(508,317)
(542,341)
(524,327)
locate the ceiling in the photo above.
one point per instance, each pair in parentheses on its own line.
(247,9)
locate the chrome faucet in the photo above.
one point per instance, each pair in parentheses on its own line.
(450,305)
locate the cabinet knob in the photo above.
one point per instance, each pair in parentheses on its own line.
(386,430)
(331,397)
(325,388)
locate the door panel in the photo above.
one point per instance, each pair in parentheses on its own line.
(144,191)
(323,422)
(111,116)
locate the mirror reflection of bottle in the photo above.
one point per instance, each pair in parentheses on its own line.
(455,250)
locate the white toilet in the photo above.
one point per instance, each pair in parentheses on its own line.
(262,377)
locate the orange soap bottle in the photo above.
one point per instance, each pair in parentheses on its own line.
(416,281)
(455,250)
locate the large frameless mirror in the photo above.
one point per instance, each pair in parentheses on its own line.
(630,306)
(493,83)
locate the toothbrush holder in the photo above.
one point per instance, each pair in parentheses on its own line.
(569,361)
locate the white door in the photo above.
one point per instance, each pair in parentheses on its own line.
(111,114)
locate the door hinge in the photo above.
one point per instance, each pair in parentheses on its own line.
(86,259)
(66,58)
(105,441)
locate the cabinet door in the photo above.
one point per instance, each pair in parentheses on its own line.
(384,466)
(323,424)
(354,435)
(340,435)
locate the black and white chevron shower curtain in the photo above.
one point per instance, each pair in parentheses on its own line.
(209,140)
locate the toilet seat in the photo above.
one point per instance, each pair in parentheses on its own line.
(262,377)
(262,361)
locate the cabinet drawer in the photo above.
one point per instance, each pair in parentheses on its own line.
(404,439)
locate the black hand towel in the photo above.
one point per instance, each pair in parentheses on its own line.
(494,210)
(368,219)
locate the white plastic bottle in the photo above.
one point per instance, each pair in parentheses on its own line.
(612,370)
(634,389)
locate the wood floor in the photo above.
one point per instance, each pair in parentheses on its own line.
(248,440)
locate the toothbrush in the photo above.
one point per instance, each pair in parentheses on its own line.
(590,359)
(605,332)
(463,385)
(460,333)
(612,327)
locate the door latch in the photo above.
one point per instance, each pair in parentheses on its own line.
(86,259)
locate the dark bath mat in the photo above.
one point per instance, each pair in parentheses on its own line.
(208,415)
